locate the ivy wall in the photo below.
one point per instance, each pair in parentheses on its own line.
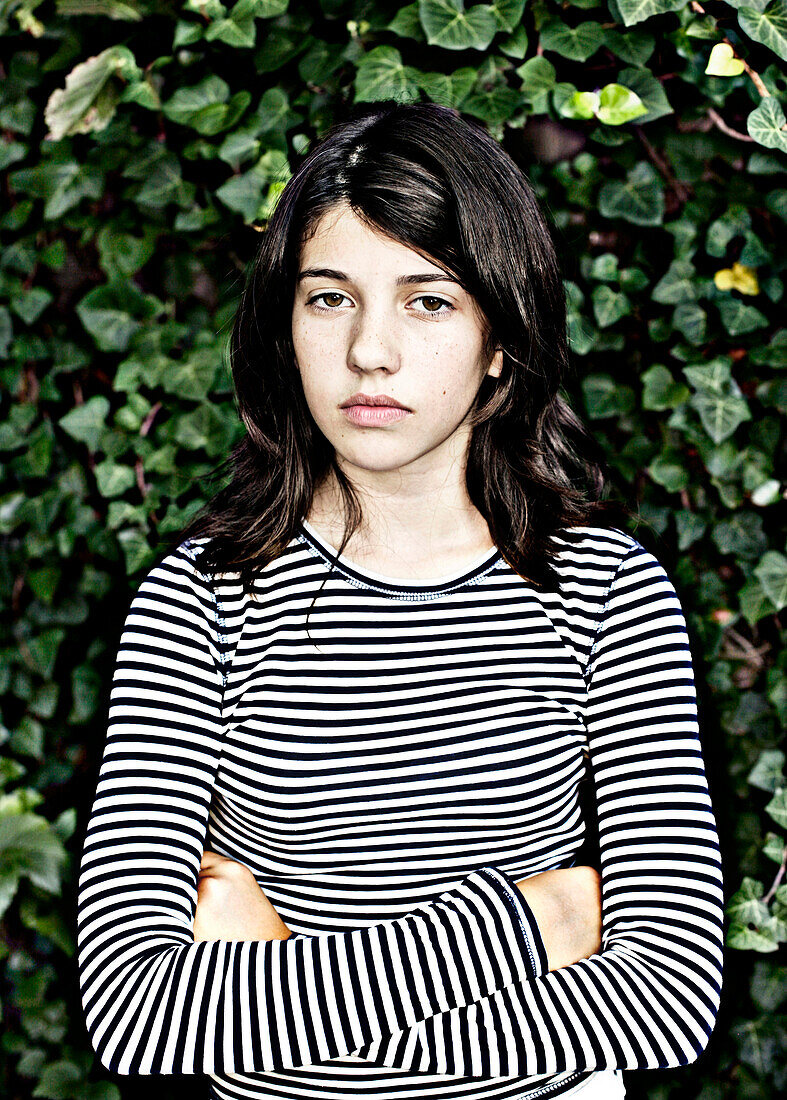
(144,145)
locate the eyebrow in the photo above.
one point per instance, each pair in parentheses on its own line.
(402,280)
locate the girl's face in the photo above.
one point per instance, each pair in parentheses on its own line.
(371,316)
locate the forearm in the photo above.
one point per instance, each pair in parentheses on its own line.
(154,1006)
(646,1001)
(565,903)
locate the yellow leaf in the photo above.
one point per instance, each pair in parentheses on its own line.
(723,62)
(738,277)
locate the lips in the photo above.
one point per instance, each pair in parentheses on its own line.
(373,416)
(375,400)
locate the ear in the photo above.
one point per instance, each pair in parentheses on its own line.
(496,365)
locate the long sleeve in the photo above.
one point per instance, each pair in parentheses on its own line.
(649,999)
(157,1002)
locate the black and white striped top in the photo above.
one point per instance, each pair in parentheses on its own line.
(389,776)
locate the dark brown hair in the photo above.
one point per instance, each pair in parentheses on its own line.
(437,182)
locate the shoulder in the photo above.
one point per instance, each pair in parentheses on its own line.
(595,563)
(591,556)
(609,543)
(176,580)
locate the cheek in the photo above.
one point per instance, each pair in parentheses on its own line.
(455,378)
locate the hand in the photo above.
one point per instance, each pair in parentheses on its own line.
(566,903)
(231,906)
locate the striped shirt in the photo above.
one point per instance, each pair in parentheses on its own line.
(389,770)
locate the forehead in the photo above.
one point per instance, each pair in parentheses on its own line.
(341,232)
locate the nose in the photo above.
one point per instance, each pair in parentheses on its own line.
(373,343)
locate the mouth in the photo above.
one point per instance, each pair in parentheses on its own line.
(373,400)
(372,416)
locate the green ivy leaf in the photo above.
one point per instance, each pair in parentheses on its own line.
(773,354)
(677,284)
(281,44)
(774,847)
(193,377)
(262,9)
(116,9)
(30,847)
(244,192)
(769,983)
(746,905)
(206,428)
(50,925)
(741,534)
(63,184)
(635,11)
(718,399)
(508,13)
(772,575)
(450,89)
(87,422)
(767,773)
(618,105)
(738,317)
(669,469)
(579,105)
(188,103)
(766,124)
(136,550)
(605,397)
(162,182)
(383,75)
(125,253)
(690,528)
(639,200)
(609,305)
(449,24)
(236,31)
(691,320)
(87,103)
(58,1081)
(753,602)
(516,44)
(114,480)
(576,43)
(538,76)
(634,47)
(319,64)
(759,939)
(32,303)
(186,34)
(407,23)
(777,807)
(720,415)
(106,314)
(768,26)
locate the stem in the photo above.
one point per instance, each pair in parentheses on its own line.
(718,121)
(680,189)
(779,876)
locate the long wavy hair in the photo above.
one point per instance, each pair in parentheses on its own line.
(437,182)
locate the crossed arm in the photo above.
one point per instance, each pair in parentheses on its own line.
(566,904)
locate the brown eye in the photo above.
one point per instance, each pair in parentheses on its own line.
(439,301)
(327,294)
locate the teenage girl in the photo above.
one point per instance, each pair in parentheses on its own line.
(335,847)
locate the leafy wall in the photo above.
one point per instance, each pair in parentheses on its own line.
(143,147)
